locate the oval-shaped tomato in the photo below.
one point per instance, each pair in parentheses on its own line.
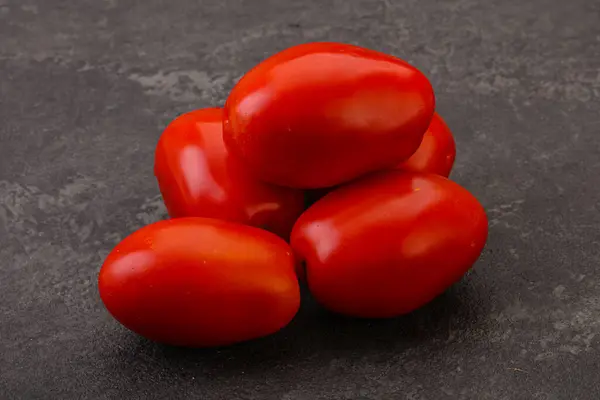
(389,243)
(319,114)
(200,282)
(435,155)
(198,177)
(437,151)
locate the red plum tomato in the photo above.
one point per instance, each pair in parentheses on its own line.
(437,151)
(200,282)
(435,155)
(389,243)
(198,177)
(320,114)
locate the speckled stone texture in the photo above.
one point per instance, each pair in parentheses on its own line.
(86,86)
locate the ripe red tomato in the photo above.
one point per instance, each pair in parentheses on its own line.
(198,178)
(200,282)
(387,244)
(437,151)
(319,114)
(435,155)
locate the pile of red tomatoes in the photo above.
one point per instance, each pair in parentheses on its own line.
(327,165)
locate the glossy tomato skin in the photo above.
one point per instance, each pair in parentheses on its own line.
(200,282)
(319,114)
(437,151)
(198,177)
(435,155)
(387,244)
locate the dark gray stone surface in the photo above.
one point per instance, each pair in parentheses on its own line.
(86,87)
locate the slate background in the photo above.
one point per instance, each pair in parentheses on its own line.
(86,86)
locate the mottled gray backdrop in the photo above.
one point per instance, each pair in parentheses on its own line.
(86,87)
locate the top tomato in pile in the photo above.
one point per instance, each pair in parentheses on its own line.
(320,114)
